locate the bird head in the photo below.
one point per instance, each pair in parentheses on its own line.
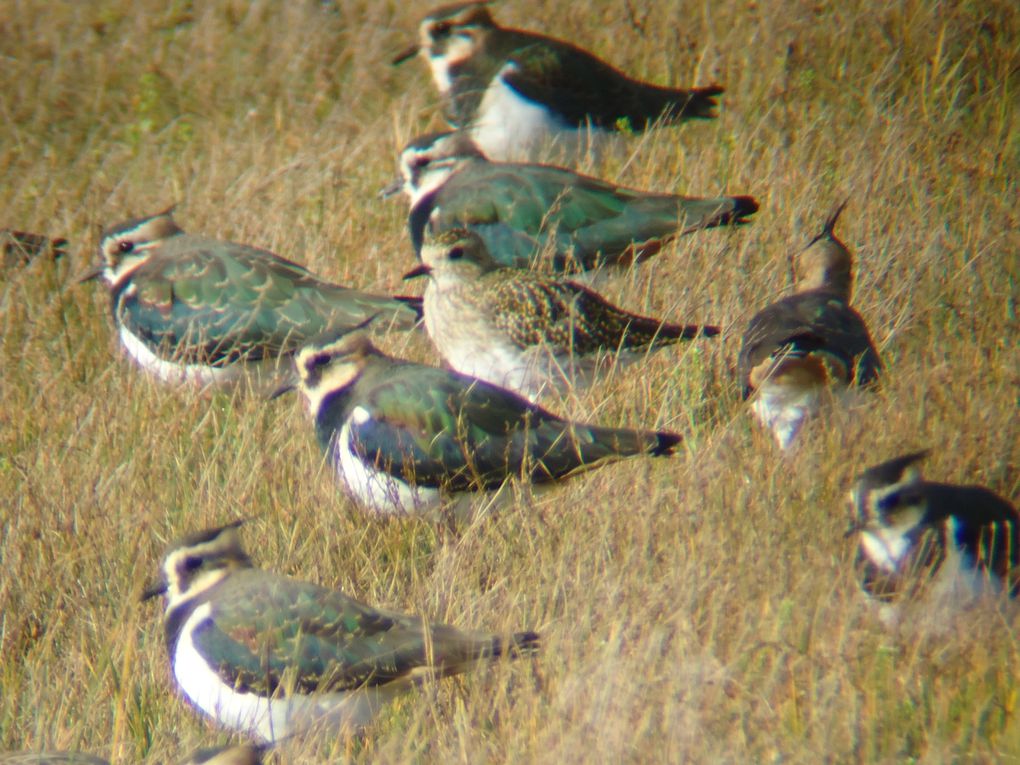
(427,161)
(455,256)
(128,245)
(891,508)
(327,367)
(452,34)
(826,262)
(198,562)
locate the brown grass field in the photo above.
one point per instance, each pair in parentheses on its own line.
(699,609)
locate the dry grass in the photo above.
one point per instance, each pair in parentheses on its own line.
(697,609)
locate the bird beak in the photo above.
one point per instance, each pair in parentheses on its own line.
(392,189)
(153,591)
(281,390)
(92,273)
(401,57)
(855,527)
(418,271)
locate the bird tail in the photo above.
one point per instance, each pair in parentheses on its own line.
(625,442)
(520,644)
(643,332)
(700,103)
(726,210)
(708,213)
(665,443)
(686,331)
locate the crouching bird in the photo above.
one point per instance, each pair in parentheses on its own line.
(270,656)
(206,312)
(401,435)
(935,541)
(524,330)
(798,349)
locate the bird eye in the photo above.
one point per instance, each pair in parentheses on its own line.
(192,563)
(125,246)
(316,361)
(419,162)
(456,253)
(441,29)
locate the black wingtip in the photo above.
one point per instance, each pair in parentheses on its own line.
(688,331)
(521,644)
(740,208)
(743,207)
(710,90)
(666,443)
(701,102)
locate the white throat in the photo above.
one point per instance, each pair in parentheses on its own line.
(430,180)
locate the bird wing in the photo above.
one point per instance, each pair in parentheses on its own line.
(582,89)
(443,429)
(531,208)
(524,209)
(564,316)
(224,302)
(809,322)
(271,632)
(985,525)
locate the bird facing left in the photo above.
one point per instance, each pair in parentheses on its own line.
(205,312)
(270,656)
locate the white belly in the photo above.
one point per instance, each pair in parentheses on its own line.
(270,719)
(472,346)
(511,128)
(783,409)
(886,551)
(375,489)
(263,376)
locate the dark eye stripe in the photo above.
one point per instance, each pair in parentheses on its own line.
(316,361)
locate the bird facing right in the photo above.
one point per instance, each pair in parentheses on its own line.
(524,330)
(797,347)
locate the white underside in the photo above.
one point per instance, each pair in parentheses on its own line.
(783,409)
(956,585)
(376,489)
(384,493)
(885,550)
(263,376)
(473,347)
(510,128)
(270,719)
(531,373)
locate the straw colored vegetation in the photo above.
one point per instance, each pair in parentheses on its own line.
(701,608)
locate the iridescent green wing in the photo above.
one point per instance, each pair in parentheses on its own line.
(439,428)
(517,208)
(267,632)
(222,302)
